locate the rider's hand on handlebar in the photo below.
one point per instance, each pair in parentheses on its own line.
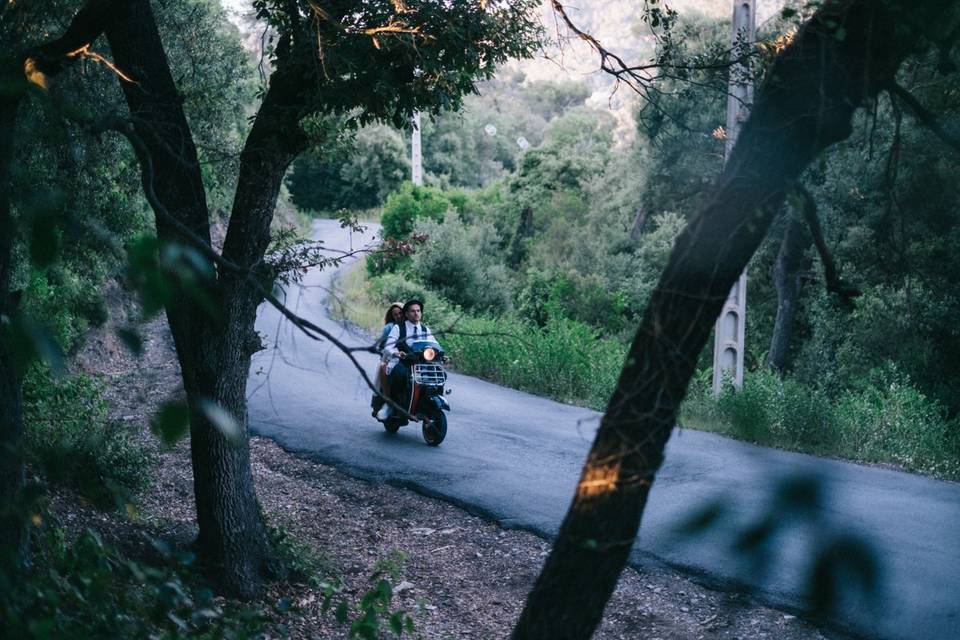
(402,355)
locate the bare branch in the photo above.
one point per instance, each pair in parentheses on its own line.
(834,283)
(925,117)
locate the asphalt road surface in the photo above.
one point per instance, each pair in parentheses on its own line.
(516,458)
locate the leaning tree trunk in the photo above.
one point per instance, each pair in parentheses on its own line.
(787,279)
(805,105)
(232,537)
(13,528)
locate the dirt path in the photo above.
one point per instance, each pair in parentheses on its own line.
(461,576)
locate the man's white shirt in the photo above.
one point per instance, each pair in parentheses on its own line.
(415,332)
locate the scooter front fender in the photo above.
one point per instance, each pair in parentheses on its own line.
(440,403)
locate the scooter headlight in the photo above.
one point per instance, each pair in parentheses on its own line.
(429,354)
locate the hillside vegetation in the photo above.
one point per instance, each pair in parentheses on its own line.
(538,262)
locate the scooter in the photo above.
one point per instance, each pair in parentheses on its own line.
(424,398)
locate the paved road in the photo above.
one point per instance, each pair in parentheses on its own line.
(516,458)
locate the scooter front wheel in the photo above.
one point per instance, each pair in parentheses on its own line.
(434,428)
(391,425)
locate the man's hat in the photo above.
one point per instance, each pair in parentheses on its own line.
(412,302)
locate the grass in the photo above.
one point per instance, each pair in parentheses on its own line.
(350,301)
(564,360)
(885,420)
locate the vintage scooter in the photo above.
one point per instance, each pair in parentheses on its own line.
(424,399)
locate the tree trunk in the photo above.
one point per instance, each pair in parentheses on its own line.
(13,529)
(213,351)
(805,105)
(787,273)
(518,246)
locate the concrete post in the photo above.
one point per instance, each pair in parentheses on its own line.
(729,338)
(416,157)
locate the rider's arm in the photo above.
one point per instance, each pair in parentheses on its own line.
(390,345)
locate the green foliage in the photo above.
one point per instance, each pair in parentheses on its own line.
(886,419)
(303,562)
(461,149)
(400,214)
(68,301)
(778,411)
(409,204)
(69,439)
(564,359)
(358,177)
(373,616)
(382,61)
(216,89)
(889,420)
(458,261)
(90,590)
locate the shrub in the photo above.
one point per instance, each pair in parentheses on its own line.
(70,440)
(889,420)
(409,204)
(886,419)
(458,261)
(400,213)
(90,590)
(746,411)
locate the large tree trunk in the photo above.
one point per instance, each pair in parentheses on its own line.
(787,279)
(213,351)
(13,529)
(805,105)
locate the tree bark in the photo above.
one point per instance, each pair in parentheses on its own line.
(805,104)
(13,528)
(787,273)
(518,246)
(212,351)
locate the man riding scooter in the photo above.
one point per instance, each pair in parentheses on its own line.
(396,350)
(415,377)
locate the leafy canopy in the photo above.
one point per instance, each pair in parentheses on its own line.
(381,60)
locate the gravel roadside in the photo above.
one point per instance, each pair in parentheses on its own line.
(459,576)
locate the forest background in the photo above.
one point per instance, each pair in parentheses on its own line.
(555,248)
(548,250)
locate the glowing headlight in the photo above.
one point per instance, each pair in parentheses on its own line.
(429,354)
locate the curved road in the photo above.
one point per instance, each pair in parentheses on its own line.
(516,458)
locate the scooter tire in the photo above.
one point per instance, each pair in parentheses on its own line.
(434,428)
(391,426)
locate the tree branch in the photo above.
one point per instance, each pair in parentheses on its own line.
(86,26)
(926,118)
(834,283)
(308,328)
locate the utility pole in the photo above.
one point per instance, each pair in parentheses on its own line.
(729,338)
(416,156)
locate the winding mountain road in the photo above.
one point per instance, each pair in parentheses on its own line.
(516,458)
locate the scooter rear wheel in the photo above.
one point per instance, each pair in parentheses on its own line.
(434,428)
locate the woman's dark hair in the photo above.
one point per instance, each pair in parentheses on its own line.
(388,317)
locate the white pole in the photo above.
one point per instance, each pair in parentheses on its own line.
(729,341)
(416,157)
